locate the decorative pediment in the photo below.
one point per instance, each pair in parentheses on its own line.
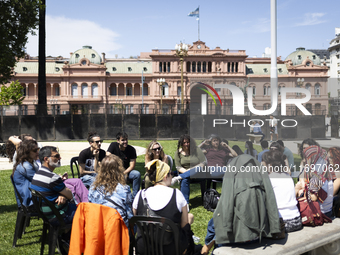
(218,54)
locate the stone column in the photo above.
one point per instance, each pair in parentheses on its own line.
(213,67)
(51,90)
(35,91)
(27,90)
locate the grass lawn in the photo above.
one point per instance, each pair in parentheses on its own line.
(30,242)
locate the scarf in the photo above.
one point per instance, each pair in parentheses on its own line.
(162,169)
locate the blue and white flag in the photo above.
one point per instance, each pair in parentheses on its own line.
(195,13)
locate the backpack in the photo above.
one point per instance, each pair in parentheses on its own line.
(210,199)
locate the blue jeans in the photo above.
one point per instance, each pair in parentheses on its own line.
(185,184)
(260,133)
(134,177)
(88,179)
(210,232)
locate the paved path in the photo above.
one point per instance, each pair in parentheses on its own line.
(67,151)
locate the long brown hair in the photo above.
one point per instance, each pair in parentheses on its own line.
(23,153)
(192,148)
(149,156)
(111,173)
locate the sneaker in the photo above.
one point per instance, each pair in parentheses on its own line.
(175,180)
(196,239)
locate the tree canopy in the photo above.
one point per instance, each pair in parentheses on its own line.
(17,19)
(12,94)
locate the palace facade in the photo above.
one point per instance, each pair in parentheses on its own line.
(88,82)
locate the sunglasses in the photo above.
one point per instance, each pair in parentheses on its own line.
(156,149)
(36,149)
(97,142)
(57,156)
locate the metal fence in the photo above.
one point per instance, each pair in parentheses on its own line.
(88,109)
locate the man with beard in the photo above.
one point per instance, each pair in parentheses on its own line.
(51,185)
(128,155)
(90,158)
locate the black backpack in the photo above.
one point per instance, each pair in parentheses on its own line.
(210,199)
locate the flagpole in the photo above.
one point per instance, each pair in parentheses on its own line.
(198,23)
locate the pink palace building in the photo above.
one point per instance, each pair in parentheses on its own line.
(88,82)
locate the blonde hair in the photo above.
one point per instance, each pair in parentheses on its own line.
(149,155)
(110,174)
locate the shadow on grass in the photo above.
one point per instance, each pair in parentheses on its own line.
(8,208)
(30,243)
(196,201)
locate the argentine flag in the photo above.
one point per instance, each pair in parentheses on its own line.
(195,13)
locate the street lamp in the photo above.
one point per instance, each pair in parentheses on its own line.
(161,82)
(300,81)
(181,52)
(143,79)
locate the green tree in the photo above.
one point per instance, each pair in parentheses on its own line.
(17,19)
(12,94)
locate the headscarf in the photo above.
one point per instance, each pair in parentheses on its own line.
(317,172)
(162,169)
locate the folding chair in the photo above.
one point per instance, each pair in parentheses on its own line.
(152,230)
(54,230)
(74,161)
(23,216)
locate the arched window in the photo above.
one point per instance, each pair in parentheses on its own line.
(145,90)
(74,90)
(209,67)
(266,106)
(160,67)
(254,90)
(236,67)
(164,67)
(94,90)
(204,67)
(165,90)
(317,89)
(318,109)
(128,91)
(113,89)
(265,90)
(232,67)
(188,66)
(228,67)
(308,86)
(84,90)
(193,67)
(309,108)
(199,67)
(168,67)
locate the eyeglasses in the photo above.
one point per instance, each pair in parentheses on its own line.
(156,149)
(99,141)
(57,156)
(36,149)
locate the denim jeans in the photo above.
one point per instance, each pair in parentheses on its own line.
(88,179)
(260,133)
(185,184)
(134,177)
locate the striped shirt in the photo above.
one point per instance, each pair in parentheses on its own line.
(49,185)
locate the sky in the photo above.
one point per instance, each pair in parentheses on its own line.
(126,28)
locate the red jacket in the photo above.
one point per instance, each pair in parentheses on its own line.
(98,229)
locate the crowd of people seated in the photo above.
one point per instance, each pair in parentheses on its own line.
(271,194)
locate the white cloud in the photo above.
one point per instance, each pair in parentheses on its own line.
(65,35)
(311,19)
